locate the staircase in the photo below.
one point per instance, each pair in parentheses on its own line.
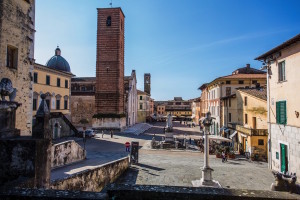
(66,120)
(137,129)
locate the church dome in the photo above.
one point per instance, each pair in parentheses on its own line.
(58,62)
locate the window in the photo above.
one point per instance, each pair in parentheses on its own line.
(260,142)
(246,118)
(141,97)
(47,80)
(58,82)
(254,81)
(66,83)
(57,104)
(281,71)
(246,101)
(35,77)
(66,104)
(225,102)
(34,104)
(12,57)
(228,91)
(141,106)
(241,82)
(228,82)
(108,21)
(229,117)
(281,112)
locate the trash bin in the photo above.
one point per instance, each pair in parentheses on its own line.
(134,153)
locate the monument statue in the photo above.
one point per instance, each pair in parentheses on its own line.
(6,89)
(169,124)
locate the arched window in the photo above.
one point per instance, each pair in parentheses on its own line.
(58,97)
(108,21)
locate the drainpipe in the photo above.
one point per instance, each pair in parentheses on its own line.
(269,119)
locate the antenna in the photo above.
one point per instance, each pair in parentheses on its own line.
(110,3)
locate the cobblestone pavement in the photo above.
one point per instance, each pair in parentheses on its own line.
(163,167)
(179,168)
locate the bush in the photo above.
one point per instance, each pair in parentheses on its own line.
(108,115)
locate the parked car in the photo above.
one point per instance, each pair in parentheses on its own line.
(90,133)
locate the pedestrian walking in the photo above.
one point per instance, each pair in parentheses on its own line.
(102,133)
(127,146)
(224,158)
(111,134)
(190,140)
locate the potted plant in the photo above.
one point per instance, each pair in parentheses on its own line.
(218,153)
(231,155)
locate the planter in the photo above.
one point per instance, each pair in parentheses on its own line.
(218,155)
(231,156)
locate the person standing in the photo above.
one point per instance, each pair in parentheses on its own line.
(111,134)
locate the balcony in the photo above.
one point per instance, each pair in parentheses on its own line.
(252,132)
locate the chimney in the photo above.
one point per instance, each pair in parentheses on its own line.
(248,66)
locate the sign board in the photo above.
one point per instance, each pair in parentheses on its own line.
(134,153)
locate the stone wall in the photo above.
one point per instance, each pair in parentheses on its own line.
(289,136)
(110,123)
(93,179)
(17,21)
(61,130)
(82,107)
(66,153)
(17,160)
(136,192)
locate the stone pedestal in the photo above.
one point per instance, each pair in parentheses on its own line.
(118,124)
(8,119)
(169,137)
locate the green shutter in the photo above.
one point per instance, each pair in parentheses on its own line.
(281,112)
(277,112)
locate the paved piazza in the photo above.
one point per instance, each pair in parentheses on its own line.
(168,167)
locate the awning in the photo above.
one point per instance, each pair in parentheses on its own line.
(233,134)
(243,135)
(223,127)
(220,138)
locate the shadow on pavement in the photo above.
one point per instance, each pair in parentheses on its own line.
(150,167)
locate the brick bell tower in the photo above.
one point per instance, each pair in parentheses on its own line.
(110,61)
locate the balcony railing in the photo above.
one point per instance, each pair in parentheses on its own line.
(252,132)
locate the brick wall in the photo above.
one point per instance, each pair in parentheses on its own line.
(109,95)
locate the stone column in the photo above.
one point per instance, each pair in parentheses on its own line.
(206,179)
(43,136)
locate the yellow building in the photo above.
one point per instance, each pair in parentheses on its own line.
(144,110)
(54,80)
(251,129)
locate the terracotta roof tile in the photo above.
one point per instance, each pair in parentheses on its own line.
(256,92)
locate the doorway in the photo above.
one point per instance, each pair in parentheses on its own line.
(284,158)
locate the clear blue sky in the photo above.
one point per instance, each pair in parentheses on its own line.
(182,43)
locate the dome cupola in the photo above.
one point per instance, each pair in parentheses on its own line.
(58,62)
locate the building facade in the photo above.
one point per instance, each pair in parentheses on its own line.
(131,99)
(203,99)
(251,127)
(283,110)
(54,80)
(226,86)
(83,100)
(143,106)
(17,30)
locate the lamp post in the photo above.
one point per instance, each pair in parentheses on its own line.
(206,179)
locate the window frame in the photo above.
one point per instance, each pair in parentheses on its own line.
(281,73)
(281,117)
(58,82)
(35,77)
(48,78)
(66,83)
(246,118)
(245,101)
(241,82)
(12,54)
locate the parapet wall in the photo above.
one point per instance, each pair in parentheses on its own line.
(66,153)
(93,180)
